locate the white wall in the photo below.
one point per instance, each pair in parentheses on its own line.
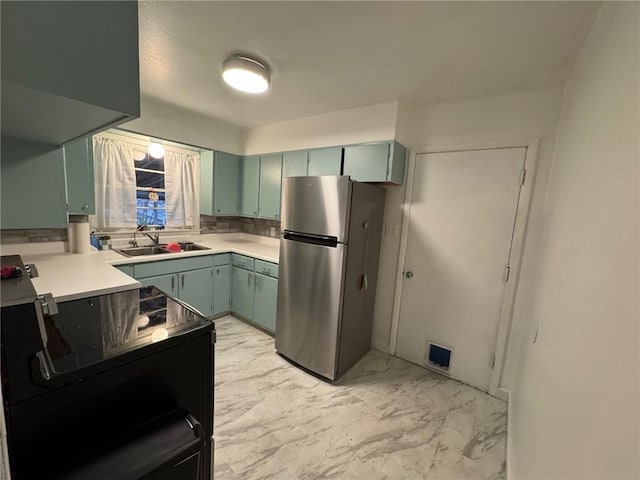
(173,123)
(575,405)
(354,125)
(451,125)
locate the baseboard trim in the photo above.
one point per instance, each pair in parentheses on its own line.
(502,392)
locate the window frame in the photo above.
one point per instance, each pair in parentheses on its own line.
(142,141)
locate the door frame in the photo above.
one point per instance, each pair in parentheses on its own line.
(517,244)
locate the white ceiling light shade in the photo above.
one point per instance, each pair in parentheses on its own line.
(246,74)
(156,150)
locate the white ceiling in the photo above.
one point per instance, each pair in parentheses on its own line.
(327,56)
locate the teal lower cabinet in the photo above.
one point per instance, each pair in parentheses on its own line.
(254,291)
(242,292)
(221,289)
(167,283)
(264,302)
(195,288)
(216,285)
(189,279)
(127,269)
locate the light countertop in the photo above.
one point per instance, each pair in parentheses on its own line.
(68,276)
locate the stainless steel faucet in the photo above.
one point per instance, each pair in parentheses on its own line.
(155,237)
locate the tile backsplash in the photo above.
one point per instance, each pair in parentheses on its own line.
(255,226)
(210,224)
(8,236)
(260,226)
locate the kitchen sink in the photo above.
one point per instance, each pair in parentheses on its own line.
(188,246)
(159,249)
(138,251)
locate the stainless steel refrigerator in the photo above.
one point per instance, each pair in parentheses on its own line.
(328,271)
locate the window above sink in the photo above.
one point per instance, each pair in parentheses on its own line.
(135,189)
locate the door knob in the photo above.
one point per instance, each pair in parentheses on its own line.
(409,274)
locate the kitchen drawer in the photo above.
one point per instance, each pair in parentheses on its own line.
(266,268)
(222,259)
(242,261)
(149,269)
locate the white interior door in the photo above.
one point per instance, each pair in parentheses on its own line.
(461,222)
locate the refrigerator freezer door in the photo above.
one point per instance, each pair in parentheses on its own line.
(310,304)
(317,205)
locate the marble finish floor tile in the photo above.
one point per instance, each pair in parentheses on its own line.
(385,419)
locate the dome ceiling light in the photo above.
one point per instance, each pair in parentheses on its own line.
(246,74)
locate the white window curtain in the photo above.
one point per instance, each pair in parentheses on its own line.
(180,181)
(115,184)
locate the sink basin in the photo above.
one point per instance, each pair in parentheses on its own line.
(159,249)
(137,251)
(188,246)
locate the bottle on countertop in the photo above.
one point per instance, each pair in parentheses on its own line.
(94,241)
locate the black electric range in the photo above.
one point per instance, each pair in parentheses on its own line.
(109,386)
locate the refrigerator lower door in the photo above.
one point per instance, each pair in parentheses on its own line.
(310,304)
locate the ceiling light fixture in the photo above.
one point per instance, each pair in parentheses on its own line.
(246,74)
(156,150)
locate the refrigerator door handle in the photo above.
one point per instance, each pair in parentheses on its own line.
(324,240)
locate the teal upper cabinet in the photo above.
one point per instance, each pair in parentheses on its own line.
(249,185)
(270,185)
(219,183)
(294,164)
(379,162)
(32,185)
(225,183)
(206,182)
(325,161)
(78,167)
(68,68)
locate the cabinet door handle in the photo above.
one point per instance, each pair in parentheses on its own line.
(249,280)
(173,284)
(182,281)
(85,207)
